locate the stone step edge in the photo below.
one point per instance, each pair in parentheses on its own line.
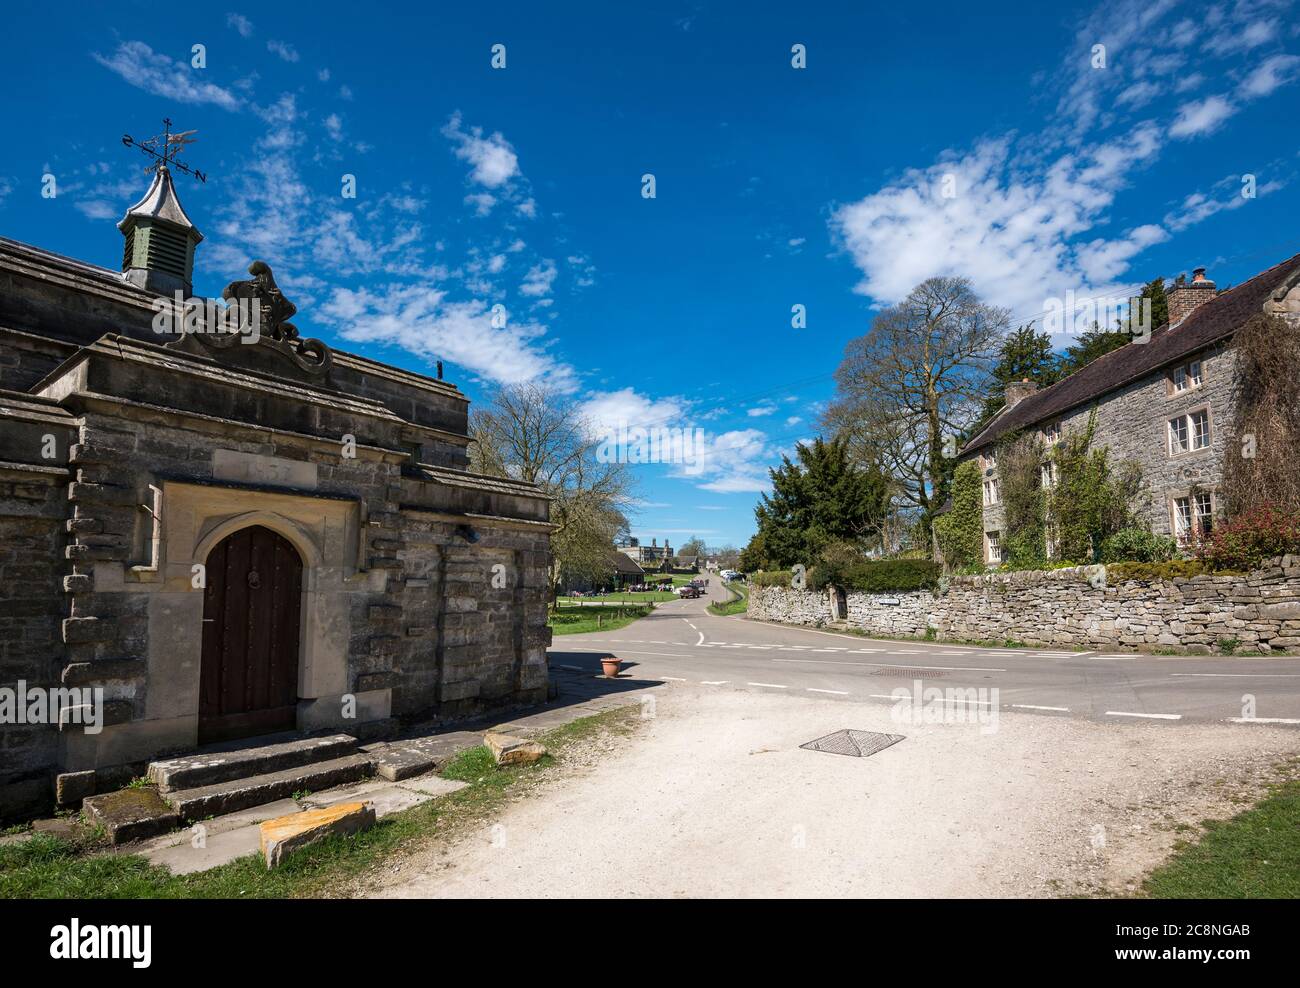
(240,794)
(195,771)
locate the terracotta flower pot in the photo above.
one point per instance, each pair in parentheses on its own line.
(610,665)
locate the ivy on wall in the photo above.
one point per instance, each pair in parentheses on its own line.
(1024,503)
(960,531)
(1092,498)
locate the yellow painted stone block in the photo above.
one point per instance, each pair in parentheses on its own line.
(286,834)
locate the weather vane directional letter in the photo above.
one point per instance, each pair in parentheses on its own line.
(165,148)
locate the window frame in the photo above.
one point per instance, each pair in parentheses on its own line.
(992,541)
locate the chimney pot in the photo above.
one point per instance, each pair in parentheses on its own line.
(1187,296)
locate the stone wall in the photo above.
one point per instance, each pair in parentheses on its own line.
(1074,607)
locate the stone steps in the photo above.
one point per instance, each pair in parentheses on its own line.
(213,767)
(240,794)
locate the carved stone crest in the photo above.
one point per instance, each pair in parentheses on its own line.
(259,298)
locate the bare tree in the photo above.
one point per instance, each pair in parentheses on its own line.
(535,433)
(917,376)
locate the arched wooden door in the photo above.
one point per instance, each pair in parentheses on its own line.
(251,610)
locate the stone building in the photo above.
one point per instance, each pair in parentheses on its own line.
(650,558)
(1166,404)
(234,533)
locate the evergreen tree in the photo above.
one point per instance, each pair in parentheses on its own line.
(820,499)
(1025,354)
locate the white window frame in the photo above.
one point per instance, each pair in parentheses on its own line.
(1049,475)
(1179,438)
(1186,377)
(993,547)
(991,492)
(1184,527)
(1199,440)
(1203,521)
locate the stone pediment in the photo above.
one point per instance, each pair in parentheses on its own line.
(253,331)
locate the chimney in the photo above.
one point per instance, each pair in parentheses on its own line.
(1187,295)
(1016,391)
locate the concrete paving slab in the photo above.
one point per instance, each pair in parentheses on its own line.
(222,824)
(434,785)
(386,799)
(216,850)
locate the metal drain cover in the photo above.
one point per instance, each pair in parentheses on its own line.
(859,744)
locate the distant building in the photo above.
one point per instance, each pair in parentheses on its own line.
(650,558)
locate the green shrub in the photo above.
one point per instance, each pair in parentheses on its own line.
(878,575)
(1137,545)
(773,578)
(1246,541)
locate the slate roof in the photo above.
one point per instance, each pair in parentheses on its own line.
(623,563)
(1208,323)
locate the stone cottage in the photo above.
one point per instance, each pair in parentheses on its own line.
(221,529)
(1166,403)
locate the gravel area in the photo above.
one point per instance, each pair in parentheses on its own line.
(712,796)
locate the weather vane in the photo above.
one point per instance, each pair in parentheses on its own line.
(165,147)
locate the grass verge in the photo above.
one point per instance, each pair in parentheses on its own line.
(1254,855)
(44,867)
(579,620)
(736,605)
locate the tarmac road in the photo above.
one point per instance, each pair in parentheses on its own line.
(681,642)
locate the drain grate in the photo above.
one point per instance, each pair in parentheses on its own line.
(859,744)
(906,673)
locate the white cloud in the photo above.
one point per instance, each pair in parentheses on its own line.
(609,411)
(1009,228)
(241,24)
(1273,72)
(334,127)
(282,48)
(155,73)
(1242,38)
(537,283)
(493,159)
(481,201)
(766,408)
(736,461)
(423,320)
(794,420)
(1202,117)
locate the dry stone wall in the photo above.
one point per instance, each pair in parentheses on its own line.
(1074,607)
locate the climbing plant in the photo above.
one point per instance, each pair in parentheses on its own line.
(1093,498)
(1024,503)
(960,530)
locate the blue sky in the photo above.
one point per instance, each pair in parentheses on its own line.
(775,186)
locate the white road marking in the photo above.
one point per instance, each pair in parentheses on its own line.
(891,665)
(716,682)
(701,641)
(1114,658)
(1236,675)
(672,679)
(813,689)
(633,651)
(1125,713)
(771,686)
(1034,706)
(907,695)
(1265,720)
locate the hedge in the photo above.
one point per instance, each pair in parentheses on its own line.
(878,576)
(775,578)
